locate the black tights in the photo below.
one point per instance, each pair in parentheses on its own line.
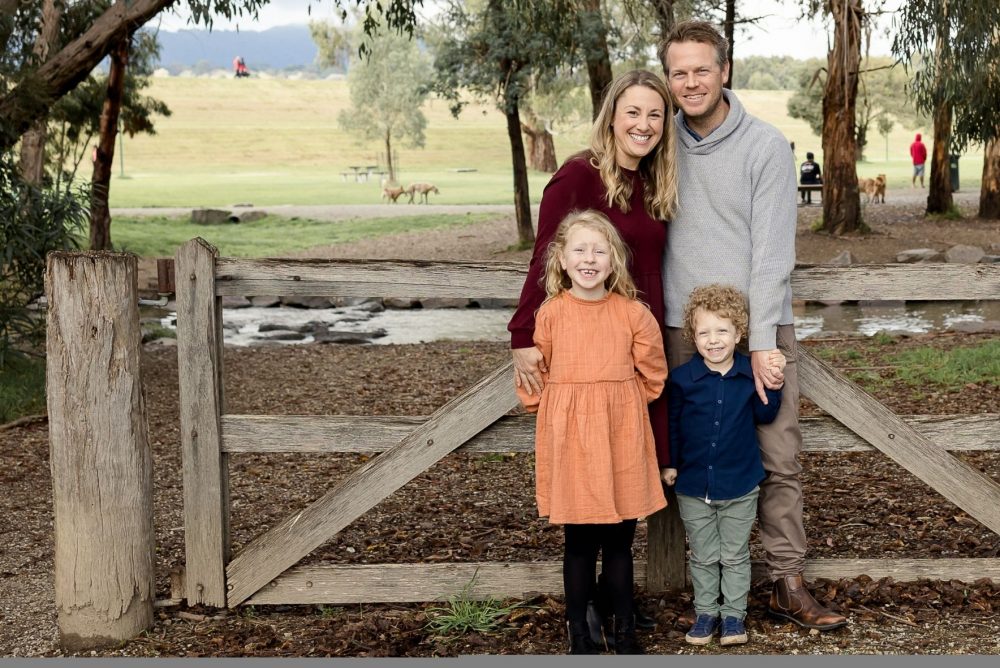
(583,541)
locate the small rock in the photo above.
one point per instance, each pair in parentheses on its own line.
(248,217)
(495,302)
(348,337)
(351,301)
(236,302)
(283,335)
(306,302)
(920,255)
(990,259)
(399,302)
(209,216)
(964,254)
(972,327)
(444,302)
(265,302)
(843,259)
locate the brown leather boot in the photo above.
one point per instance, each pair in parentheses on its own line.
(792,601)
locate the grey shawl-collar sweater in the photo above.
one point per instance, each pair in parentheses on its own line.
(735,220)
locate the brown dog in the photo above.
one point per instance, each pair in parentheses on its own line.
(393,193)
(422,189)
(874,189)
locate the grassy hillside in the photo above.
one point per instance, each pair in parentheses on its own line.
(276,141)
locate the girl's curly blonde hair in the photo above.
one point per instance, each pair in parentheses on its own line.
(724,301)
(557,280)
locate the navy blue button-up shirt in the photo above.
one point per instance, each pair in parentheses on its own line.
(713,435)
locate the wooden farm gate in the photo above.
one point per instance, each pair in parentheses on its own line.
(264,572)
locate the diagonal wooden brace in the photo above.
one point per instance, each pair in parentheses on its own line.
(951,477)
(450,426)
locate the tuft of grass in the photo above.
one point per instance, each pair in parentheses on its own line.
(953,213)
(883,339)
(155,331)
(22,387)
(463,615)
(951,367)
(271,236)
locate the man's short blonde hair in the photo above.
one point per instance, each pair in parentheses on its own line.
(724,301)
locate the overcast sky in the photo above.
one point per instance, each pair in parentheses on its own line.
(782,32)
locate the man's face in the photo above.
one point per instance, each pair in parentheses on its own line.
(695,79)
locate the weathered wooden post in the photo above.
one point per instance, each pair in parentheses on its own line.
(100,455)
(206,470)
(666,566)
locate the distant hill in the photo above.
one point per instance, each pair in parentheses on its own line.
(276,48)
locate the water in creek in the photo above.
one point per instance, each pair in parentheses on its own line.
(242,326)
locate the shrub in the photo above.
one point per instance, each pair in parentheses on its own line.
(33,222)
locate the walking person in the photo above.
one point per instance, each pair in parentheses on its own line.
(918,153)
(735,224)
(595,459)
(715,458)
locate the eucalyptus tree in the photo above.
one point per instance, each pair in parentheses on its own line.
(952,48)
(494,51)
(388,86)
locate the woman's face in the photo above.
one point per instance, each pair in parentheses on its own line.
(637,124)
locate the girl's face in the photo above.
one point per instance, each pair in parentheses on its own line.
(586,259)
(715,338)
(637,125)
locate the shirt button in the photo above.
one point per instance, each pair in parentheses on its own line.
(719,401)
(716,423)
(709,468)
(713,445)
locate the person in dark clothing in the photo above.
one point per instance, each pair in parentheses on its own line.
(809,174)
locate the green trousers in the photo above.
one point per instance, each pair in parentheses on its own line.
(718,535)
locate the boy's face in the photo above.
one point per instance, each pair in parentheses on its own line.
(715,338)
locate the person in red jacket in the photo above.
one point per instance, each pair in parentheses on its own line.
(919,154)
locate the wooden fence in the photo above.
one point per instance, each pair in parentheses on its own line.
(265,571)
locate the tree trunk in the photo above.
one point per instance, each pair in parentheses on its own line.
(730,29)
(939,198)
(388,157)
(598,60)
(841,203)
(989,196)
(33,141)
(541,149)
(61,73)
(100,183)
(522,205)
(102,487)
(664,10)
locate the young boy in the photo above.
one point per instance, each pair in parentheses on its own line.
(715,458)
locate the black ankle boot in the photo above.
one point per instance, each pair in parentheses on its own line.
(579,639)
(625,640)
(595,625)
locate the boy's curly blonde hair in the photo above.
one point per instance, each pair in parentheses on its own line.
(724,301)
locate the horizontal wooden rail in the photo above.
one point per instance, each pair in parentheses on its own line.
(412,583)
(417,278)
(372,434)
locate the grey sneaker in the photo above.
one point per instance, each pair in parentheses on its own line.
(733,632)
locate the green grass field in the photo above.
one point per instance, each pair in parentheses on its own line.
(276,141)
(159,236)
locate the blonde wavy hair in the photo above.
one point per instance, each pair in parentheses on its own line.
(556,278)
(658,168)
(725,301)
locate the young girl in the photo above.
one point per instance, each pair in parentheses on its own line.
(595,460)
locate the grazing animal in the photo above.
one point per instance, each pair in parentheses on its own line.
(424,190)
(393,194)
(879,188)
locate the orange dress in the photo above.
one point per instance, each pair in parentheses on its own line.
(595,460)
